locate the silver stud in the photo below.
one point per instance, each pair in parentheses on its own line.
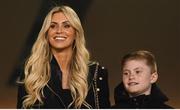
(102,67)
(100,78)
(98,89)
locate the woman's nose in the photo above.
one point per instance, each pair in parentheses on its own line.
(59,29)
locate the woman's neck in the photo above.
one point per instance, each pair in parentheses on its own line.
(64,58)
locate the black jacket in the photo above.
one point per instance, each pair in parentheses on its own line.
(56,97)
(156,100)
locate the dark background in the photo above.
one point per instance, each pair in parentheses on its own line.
(112,29)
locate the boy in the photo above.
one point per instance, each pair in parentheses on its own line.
(138,88)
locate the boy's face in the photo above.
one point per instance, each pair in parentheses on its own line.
(137,77)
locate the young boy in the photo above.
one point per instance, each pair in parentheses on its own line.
(138,88)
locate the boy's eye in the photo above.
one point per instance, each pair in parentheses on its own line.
(138,72)
(125,73)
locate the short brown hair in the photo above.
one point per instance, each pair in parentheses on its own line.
(141,55)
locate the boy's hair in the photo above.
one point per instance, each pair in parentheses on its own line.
(141,55)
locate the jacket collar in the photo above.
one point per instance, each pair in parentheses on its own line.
(57,73)
(156,94)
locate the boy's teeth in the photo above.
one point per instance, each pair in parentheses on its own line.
(132,84)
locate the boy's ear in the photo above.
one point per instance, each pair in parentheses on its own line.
(154,77)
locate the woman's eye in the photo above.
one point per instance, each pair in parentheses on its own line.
(67,26)
(52,26)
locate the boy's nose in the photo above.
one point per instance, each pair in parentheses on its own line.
(131,76)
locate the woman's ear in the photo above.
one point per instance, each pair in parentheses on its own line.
(154,77)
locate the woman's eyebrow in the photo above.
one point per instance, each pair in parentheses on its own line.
(64,22)
(53,22)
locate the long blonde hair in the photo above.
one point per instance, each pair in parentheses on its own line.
(37,67)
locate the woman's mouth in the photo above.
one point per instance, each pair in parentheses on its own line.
(60,38)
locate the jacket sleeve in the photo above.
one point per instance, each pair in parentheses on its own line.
(103,87)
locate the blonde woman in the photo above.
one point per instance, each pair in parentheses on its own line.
(58,73)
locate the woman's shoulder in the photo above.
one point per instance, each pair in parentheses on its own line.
(96,70)
(96,65)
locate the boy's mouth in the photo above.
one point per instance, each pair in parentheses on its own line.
(132,83)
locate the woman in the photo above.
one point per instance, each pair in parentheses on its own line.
(58,73)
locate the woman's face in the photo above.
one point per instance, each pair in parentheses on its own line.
(61,34)
(137,77)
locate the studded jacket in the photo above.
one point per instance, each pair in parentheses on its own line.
(56,97)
